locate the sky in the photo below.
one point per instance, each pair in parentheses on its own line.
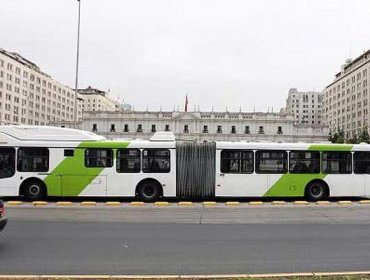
(223,53)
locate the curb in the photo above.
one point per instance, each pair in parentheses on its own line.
(203,276)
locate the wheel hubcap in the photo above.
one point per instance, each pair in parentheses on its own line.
(316,191)
(149,190)
(34,190)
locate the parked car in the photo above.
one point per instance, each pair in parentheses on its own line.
(3,219)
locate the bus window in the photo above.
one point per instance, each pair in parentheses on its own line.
(337,162)
(301,162)
(33,160)
(361,162)
(98,158)
(7,162)
(236,161)
(271,162)
(156,161)
(128,161)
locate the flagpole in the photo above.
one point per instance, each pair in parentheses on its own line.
(77,62)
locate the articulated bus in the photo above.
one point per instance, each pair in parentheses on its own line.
(36,162)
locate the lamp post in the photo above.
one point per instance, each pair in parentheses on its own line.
(77,62)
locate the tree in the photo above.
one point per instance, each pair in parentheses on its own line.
(364,136)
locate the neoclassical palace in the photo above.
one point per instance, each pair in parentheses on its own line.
(221,126)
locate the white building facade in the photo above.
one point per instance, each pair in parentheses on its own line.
(220,126)
(97,100)
(306,107)
(346,99)
(30,96)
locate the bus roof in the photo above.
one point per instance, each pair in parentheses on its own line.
(46,133)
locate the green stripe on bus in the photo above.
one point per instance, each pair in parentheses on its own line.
(71,177)
(295,184)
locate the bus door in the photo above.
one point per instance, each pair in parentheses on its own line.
(361,168)
(235,174)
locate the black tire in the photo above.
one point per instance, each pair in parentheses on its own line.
(316,191)
(149,191)
(34,190)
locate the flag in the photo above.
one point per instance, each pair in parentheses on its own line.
(186,103)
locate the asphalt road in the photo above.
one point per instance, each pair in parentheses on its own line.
(185,240)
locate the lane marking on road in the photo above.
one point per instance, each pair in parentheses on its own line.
(185,203)
(256,203)
(64,203)
(357,203)
(161,203)
(300,202)
(344,202)
(113,203)
(39,203)
(232,203)
(209,203)
(137,203)
(323,203)
(88,203)
(278,202)
(14,203)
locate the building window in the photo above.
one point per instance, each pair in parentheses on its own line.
(33,160)
(304,162)
(153,128)
(280,130)
(186,128)
(205,129)
(139,128)
(337,162)
(7,162)
(95,127)
(167,128)
(236,161)
(247,131)
(125,128)
(128,161)
(156,161)
(271,162)
(260,130)
(219,129)
(233,129)
(98,158)
(112,127)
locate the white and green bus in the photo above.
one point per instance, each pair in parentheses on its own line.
(36,162)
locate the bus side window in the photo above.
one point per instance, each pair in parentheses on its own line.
(33,160)
(128,161)
(237,161)
(98,157)
(337,162)
(7,162)
(156,161)
(303,162)
(361,162)
(274,162)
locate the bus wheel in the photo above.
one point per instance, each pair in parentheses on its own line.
(316,191)
(34,190)
(149,191)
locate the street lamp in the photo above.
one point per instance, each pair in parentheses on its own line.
(77,61)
